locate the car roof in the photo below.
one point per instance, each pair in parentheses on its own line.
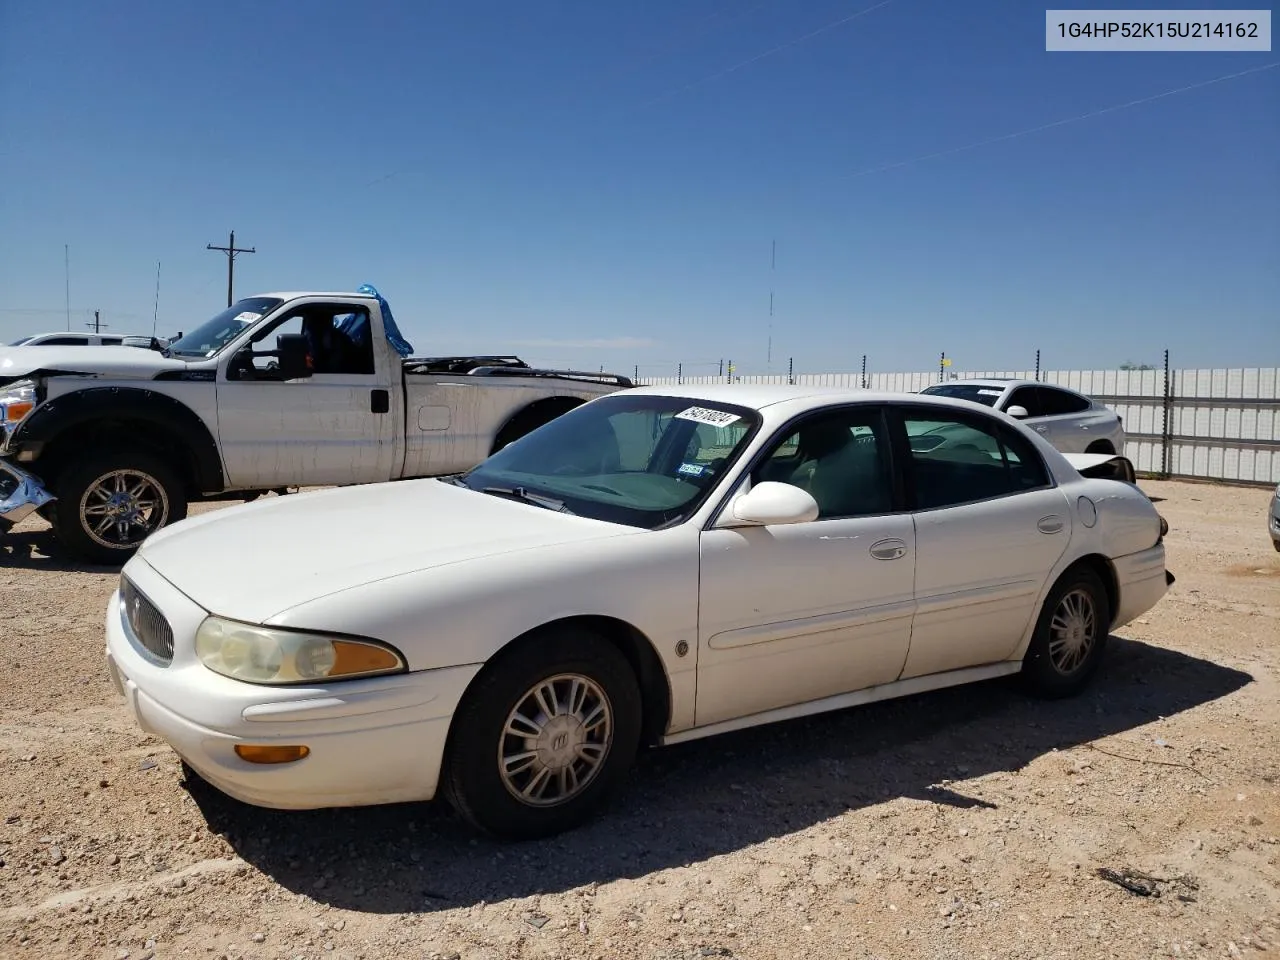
(758,396)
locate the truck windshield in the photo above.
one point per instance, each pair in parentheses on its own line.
(641,460)
(210,337)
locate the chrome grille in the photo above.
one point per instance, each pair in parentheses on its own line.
(149,627)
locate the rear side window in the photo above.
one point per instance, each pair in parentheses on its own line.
(962,460)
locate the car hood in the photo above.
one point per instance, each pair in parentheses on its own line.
(21,363)
(256,561)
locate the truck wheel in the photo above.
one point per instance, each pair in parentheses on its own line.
(111,501)
(531,418)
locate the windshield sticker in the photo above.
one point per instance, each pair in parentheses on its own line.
(248,317)
(690,469)
(987,392)
(716,418)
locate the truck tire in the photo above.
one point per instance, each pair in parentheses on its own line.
(531,418)
(112,500)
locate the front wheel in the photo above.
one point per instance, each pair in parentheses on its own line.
(111,501)
(545,736)
(1070,636)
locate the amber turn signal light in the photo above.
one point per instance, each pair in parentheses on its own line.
(256,753)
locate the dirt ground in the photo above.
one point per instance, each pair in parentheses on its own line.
(964,824)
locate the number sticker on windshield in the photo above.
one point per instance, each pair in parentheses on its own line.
(985,392)
(248,317)
(690,469)
(715,418)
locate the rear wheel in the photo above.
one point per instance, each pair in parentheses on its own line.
(1070,636)
(1100,446)
(111,501)
(544,737)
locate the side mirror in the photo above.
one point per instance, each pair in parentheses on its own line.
(291,355)
(1017,412)
(770,502)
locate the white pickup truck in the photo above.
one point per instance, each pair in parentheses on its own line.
(281,390)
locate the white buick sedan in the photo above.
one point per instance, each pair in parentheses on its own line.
(657,565)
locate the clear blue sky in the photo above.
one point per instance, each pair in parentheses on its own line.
(599,183)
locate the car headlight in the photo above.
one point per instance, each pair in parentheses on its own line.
(17,400)
(254,654)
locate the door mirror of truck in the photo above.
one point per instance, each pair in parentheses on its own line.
(292,354)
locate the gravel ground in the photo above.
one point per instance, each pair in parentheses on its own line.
(962,824)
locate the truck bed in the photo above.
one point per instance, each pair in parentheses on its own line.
(504,366)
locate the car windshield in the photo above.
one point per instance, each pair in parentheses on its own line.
(210,337)
(18,343)
(973,392)
(636,459)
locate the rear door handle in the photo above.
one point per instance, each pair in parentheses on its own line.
(890,549)
(380,401)
(1051,524)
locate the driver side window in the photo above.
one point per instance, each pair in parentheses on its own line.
(840,457)
(338,341)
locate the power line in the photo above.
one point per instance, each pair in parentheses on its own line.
(768,53)
(231,250)
(1058,123)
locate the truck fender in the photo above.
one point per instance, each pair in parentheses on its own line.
(87,415)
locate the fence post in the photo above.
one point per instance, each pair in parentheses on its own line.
(635,378)
(942,367)
(679,373)
(1037,366)
(1166,434)
(729,379)
(791,370)
(864,371)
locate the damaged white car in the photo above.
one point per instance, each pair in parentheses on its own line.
(657,565)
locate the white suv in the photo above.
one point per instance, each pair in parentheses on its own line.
(1070,421)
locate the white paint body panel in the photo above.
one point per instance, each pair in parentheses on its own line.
(1068,433)
(749,624)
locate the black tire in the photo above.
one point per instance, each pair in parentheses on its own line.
(1100,446)
(1055,670)
(74,530)
(471,778)
(530,419)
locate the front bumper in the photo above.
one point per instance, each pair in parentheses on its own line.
(371,741)
(21,493)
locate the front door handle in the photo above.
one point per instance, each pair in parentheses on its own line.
(890,549)
(380,401)
(1051,524)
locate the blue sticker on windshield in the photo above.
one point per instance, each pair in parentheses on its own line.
(691,469)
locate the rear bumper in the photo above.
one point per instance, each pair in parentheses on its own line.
(21,493)
(1143,581)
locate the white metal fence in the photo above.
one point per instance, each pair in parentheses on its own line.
(1221,424)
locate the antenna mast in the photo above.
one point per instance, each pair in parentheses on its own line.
(155,318)
(773,261)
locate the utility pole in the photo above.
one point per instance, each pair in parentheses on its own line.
(231,250)
(97,322)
